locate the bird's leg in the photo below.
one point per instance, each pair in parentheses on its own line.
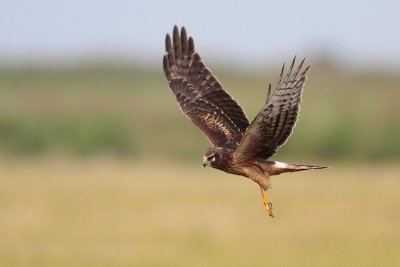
(267,204)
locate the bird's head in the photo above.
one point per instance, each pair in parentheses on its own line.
(212,157)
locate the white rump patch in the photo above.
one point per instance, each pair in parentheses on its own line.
(280,165)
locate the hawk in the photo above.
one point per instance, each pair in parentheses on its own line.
(238,146)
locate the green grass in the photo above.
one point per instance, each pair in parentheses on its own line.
(78,135)
(129,111)
(103,212)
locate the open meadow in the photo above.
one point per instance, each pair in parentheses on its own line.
(98,167)
(107,212)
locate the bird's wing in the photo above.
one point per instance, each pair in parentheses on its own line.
(215,125)
(189,78)
(275,122)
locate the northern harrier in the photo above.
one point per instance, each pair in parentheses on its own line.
(239,147)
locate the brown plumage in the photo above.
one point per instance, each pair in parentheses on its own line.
(239,147)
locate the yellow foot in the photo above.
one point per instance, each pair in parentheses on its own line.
(267,204)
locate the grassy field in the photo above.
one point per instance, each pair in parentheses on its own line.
(91,110)
(107,212)
(98,167)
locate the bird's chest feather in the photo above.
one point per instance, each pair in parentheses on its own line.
(254,173)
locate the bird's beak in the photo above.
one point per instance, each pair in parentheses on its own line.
(206,163)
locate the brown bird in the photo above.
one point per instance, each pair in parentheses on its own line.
(239,147)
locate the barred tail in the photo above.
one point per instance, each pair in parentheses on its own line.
(281,167)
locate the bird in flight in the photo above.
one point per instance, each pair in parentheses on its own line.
(238,146)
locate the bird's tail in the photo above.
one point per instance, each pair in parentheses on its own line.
(281,167)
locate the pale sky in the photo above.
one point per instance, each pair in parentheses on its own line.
(362,32)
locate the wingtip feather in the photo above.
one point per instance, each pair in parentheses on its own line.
(168,44)
(281,75)
(183,31)
(166,68)
(268,93)
(191,45)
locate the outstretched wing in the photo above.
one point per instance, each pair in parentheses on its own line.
(274,124)
(199,94)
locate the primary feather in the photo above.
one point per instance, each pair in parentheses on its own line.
(194,84)
(275,122)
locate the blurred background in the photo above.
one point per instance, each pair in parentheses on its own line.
(98,166)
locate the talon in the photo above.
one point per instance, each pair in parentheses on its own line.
(269,209)
(267,204)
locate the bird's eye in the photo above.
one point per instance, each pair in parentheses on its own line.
(212,158)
